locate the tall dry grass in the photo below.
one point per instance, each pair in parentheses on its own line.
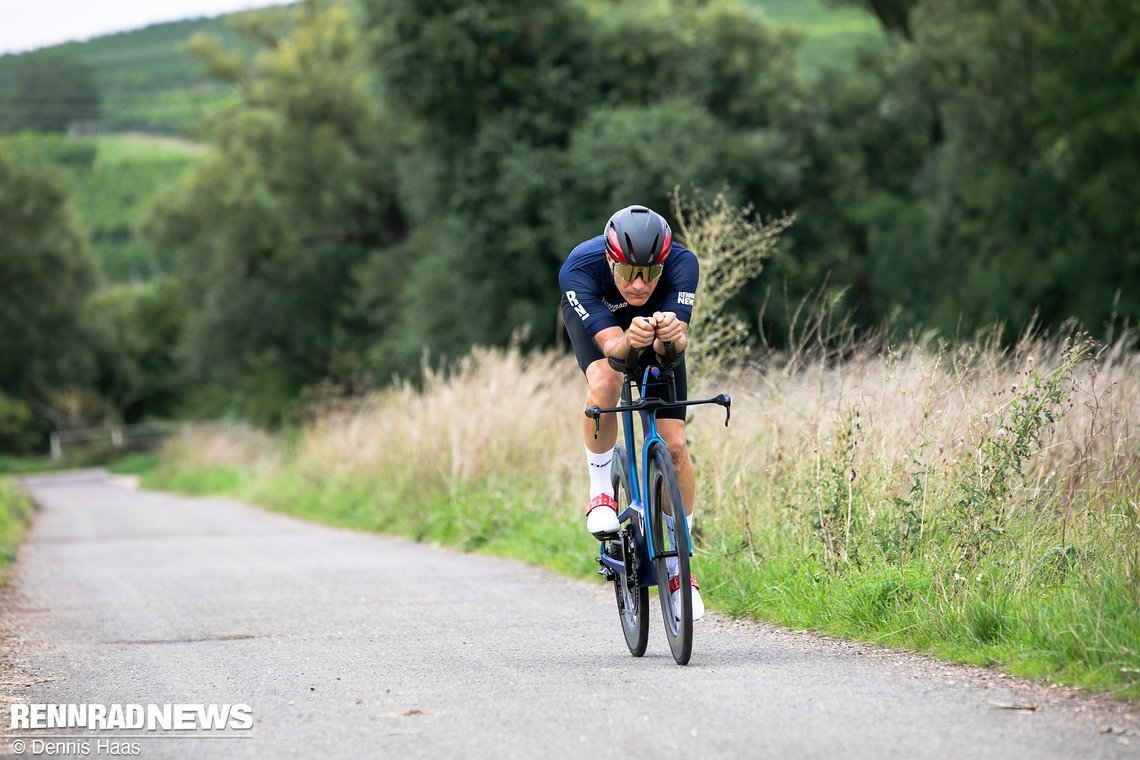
(885,432)
(896,437)
(970,500)
(495,415)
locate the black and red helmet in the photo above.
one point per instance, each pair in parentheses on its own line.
(638,236)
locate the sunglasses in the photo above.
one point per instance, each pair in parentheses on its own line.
(630,272)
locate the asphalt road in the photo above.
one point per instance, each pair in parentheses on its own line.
(347,645)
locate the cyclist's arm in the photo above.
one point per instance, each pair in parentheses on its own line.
(616,342)
(677,309)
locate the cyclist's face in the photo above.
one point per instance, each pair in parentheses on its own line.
(636,291)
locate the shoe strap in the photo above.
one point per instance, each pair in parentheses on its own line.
(675,582)
(601,500)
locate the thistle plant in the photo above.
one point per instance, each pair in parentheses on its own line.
(732,245)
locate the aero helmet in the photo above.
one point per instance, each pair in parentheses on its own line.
(638,236)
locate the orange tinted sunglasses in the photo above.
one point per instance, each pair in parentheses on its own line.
(630,272)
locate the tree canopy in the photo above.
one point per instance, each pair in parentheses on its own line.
(400,177)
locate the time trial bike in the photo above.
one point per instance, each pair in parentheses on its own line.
(651,514)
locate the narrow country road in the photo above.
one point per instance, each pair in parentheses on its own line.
(348,645)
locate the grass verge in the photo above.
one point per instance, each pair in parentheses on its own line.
(16,510)
(954,505)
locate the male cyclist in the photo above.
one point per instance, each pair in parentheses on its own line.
(631,287)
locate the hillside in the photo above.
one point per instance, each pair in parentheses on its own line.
(146,82)
(831,33)
(113,179)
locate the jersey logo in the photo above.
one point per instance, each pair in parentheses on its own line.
(686,299)
(615,306)
(572,297)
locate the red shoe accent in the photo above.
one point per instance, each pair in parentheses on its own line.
(675,582)
(601,500)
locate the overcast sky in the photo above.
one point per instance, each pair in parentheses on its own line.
(31,24)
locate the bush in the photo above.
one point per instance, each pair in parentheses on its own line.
(21,431)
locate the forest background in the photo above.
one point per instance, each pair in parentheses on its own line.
(328,190)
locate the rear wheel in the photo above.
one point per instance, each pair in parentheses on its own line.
(665,501)
(632,599)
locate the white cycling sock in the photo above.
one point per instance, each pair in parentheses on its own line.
(671,562)
(601,466)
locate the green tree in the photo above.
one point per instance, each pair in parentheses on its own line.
(134,333)
(1014,202)
(528,124)
(1088,146)
(44,278)
(268,233)
(894,15)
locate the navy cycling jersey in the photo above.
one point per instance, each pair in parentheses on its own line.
(588,286)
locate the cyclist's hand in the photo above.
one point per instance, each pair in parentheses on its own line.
(641,332)
(669,328)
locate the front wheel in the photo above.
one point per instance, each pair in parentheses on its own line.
(671,552)
(632,598)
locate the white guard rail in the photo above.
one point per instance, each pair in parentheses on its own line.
(122,435)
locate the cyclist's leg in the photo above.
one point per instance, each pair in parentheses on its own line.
(671,426)
(603,383)
(673,433)
(603,390)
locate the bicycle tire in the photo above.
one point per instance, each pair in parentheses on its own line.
(632,598)
(664,498)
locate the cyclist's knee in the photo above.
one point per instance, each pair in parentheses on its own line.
(604,382)
(674,437)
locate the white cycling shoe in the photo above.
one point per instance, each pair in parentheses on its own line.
(698,603)
(601,516)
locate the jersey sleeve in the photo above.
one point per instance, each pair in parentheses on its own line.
(683,287)
(582,294)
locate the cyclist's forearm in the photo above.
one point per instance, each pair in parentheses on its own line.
(618,347)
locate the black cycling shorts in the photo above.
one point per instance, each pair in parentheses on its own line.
(586,351)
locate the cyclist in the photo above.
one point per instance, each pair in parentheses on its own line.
(630,287)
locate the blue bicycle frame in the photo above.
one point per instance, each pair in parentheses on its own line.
(639,487)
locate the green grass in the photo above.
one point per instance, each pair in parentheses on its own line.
(112,459)
(16,511)
(137,463)
(10,465)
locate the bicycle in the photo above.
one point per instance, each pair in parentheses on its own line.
(636,557)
